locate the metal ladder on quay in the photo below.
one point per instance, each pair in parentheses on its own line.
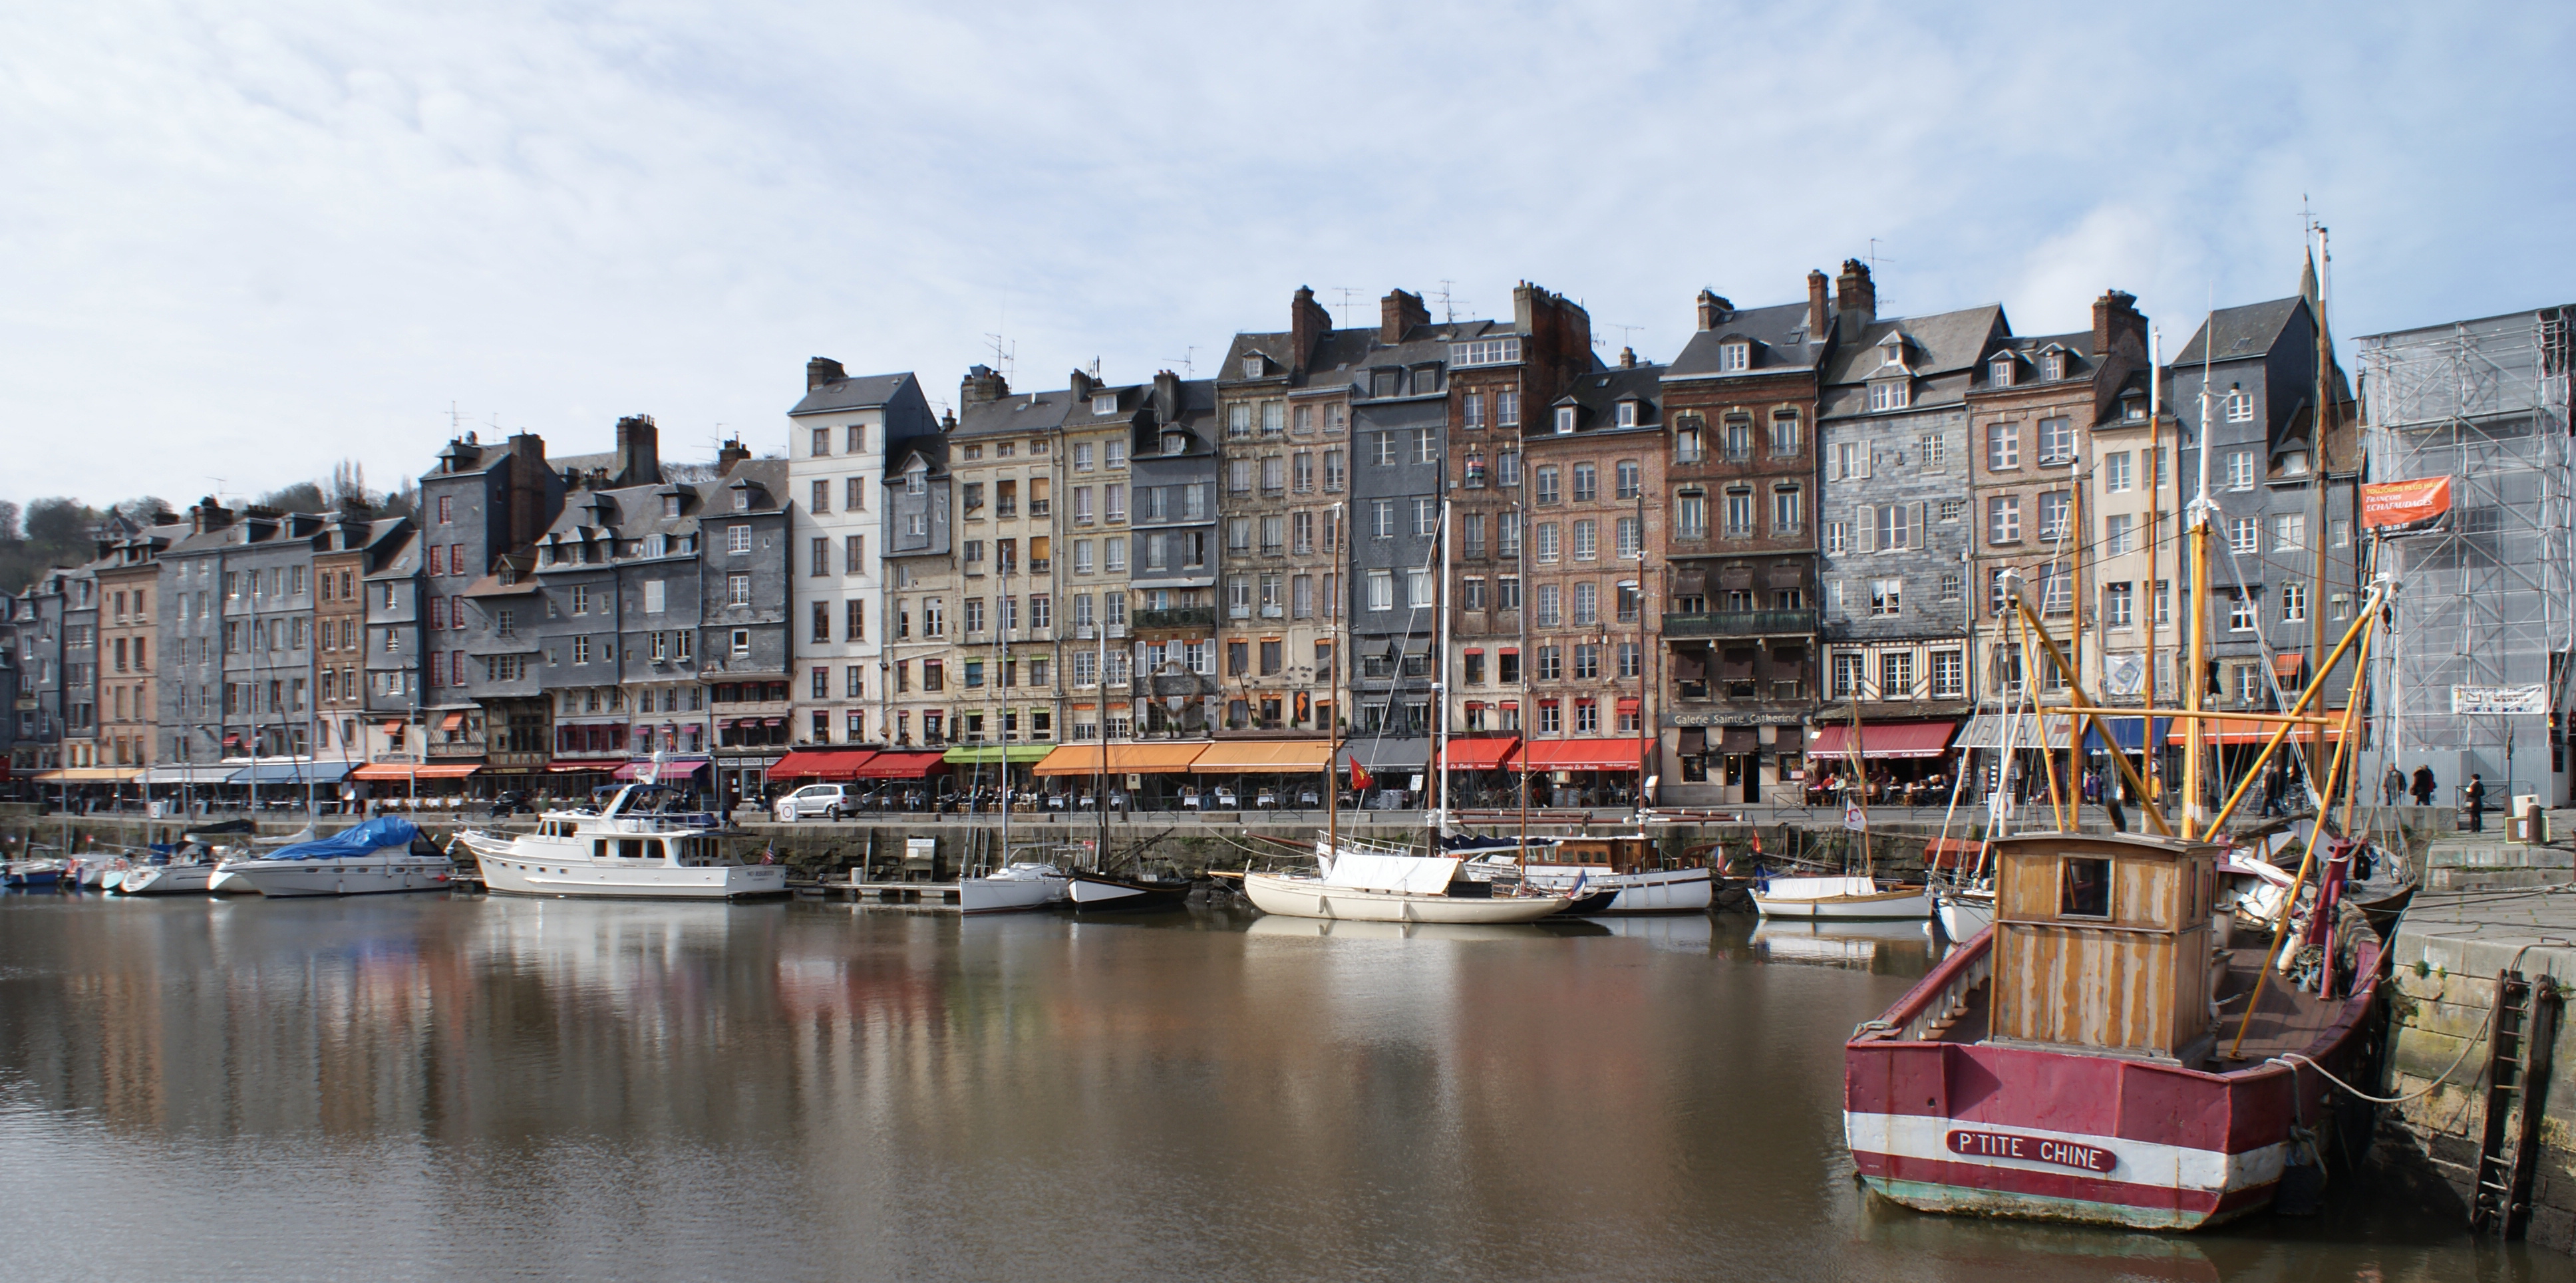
(2524,1025)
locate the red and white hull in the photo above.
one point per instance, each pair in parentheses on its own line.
(1982,1129)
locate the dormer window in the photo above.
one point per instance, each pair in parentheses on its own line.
(1564,420)
(670,505)
(1627,414)
(1252,366)
(1175,442)
(2054,364)
(2240,405)
(2000,373)
(1735,356)
(1890,395)
(2132,410)
(1426,380)
(2294,464)
(742,500)
(1891,351)
(916,481)
(1105,403)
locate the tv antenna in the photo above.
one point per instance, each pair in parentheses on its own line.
(1186,353)
(1624,332)
(1006,357)
(1346,292)
(1448,305)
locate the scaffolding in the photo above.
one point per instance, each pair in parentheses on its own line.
(2488,597)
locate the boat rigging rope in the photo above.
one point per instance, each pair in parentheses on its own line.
(2484,1027)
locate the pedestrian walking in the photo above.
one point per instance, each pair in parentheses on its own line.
(2394,786)
(2423,786)
(2475,795)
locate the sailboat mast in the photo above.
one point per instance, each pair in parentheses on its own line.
(2153,752)
(1439,816)
(1341,653)
(2195,813)
(2320,421)
(993,701)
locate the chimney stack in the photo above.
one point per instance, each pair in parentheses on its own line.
(1082,384)
(729,454)
(1853,292)
(1627,358)
(639,451)
(208,515)
(821,370)
(982,385)
(1713,311)
(1167,397)
(1398,313)
(2117,323)
(528,483)
(1308,323)
(1816,311)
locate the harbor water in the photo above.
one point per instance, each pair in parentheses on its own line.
(431,1087)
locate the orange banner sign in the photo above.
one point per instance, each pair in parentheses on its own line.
(2404,503)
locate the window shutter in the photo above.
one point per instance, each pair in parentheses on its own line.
(1865,537)
(1864,456)
(1922,526)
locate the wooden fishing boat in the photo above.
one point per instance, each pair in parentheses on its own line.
(1842,899)
(2085,1058)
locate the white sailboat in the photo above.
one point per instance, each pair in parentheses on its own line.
(1019,885)
(628,850)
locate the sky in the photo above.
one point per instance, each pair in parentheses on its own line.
(242,242)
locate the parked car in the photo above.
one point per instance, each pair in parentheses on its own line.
(831,801)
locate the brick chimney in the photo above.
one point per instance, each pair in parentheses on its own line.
(1167,397)
(1713,311)
(729,454)
(1627,358)
(1398,313)
(821,370)
(1816,311)
(531,497)
(1308,323)
(1853,292)
(981,385)
(639,451)
(2117,324)
(1082,384)
(208,515)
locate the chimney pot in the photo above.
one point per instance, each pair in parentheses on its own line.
(1627,358)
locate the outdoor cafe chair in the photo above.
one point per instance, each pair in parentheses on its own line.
(1226,800)
(1190,802)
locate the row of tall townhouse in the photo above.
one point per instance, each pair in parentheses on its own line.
(1695,570)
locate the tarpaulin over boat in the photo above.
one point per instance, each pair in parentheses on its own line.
(365,839)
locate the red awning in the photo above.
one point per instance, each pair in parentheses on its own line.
(821,764)
(1577,755)
(571,767)
(451,721)
(1481,755)
(407,771)
(899,766)
(1885,739)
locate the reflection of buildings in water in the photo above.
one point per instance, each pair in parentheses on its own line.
(1863,946)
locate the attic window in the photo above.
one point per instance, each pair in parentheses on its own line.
(2055,364)
(2000,373)
(2294,464)
(1252,366)
(1732,357)
(1891,350)
(1627,414)
(1485,352)
(670,505)
(1564,419)
(1890,395)
(1175,442)
(1105,403)
(742,500)
(916,481)
(2240,405)
(2132,410)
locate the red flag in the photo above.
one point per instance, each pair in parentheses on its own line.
(1359,776)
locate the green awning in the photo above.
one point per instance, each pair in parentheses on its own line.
(1020,754)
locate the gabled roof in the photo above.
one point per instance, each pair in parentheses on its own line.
(1780,335)
(1017,413)
(1599,392)
(1942,343)
(931,450)
(2243,332)
(861,392)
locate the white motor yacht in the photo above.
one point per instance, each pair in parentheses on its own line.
(167,879)
(631,849)
(370,859)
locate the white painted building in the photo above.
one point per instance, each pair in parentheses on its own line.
(836,450)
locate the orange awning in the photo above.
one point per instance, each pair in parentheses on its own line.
(2288,665)
(1578,755)
(1260,757)
(2225,731)
(451,721)
(407,771)
(1481,755)
(1123,759)
(393,728)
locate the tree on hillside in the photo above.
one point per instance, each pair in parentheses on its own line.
(58,522)
(303,496)
(9,522)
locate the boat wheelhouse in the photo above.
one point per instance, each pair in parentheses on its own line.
(629,849)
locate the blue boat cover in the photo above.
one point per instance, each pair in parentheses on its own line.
(365,839)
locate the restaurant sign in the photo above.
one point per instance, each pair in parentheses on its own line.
(2034,1149)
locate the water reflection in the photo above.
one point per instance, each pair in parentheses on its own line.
(1882,947)
(424,1087)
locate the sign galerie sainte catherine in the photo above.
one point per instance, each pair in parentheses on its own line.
(2036,1149)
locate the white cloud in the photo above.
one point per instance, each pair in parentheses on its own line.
(247,242)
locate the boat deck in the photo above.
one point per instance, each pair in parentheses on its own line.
(2286,1020)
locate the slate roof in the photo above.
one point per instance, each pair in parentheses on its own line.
(866,391)
(1942,343)
(932,450)
(2243,332)
(1780,338)
(1602,390)
(1016,413)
